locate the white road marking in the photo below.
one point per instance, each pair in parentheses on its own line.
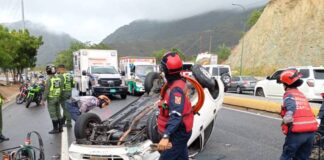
(64,145)
(256,114)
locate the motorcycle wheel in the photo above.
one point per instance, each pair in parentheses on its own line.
(20,99)
(29,100)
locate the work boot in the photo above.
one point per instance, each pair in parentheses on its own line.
(55,127)
(68,124)
(61,124)
(3,138)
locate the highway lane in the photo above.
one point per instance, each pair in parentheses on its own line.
(243,136)
(18,121)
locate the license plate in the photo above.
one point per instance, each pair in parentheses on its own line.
(113,90)
(252,83)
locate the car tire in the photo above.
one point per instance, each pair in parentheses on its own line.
(123,96)
(149,80)
(152,130)
(238,90)
(203,77)
(259,92)
(82,127)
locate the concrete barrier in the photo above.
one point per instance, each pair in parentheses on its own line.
(263,105)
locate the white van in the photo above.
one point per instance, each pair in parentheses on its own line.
(312,87)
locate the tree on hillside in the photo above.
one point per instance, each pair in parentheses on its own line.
(66,57)
(253,18)
(223,53)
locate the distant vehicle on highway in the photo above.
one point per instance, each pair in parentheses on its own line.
(242,83)
(312,87)
(220,71)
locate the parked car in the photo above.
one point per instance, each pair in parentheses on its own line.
(312,87)
(129,133)
(220,71)
(242,83)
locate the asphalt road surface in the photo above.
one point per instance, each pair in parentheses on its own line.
(237,135)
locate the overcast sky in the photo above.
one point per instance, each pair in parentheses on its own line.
(93,20)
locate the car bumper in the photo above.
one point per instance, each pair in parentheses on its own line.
(109,90)
(140,151)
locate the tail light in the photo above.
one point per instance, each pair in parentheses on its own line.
(322,95)
(310,83)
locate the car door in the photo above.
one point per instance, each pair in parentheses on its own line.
(273,88)
(234,83)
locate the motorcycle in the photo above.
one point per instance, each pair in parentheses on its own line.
(23,91)
(34,94)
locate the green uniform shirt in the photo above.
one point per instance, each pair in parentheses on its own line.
(49,89)
(67,79)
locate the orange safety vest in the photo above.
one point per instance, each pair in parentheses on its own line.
(187,114)
(303,118)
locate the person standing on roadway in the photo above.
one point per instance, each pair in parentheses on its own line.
(175,119)
(320,117)
(299,123)
(2,137)
(53,90)
(66,94)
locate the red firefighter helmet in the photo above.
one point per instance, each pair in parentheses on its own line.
(171,63)
(290,76)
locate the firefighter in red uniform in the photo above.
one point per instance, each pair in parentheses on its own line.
(175,119)
(299,123)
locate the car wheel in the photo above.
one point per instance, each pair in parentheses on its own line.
(238,90)
(123,96)
(149,80)
(203,77)
(83,128)
(152,130)
(259,92)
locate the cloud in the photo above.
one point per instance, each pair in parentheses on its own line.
(93,20)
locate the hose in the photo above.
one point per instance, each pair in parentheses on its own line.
(198,88)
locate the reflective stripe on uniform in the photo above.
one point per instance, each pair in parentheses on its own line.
(305,122)
(175,112)
(55,89)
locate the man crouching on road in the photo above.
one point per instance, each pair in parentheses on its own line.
(299,123)
(175,119)
(78,105)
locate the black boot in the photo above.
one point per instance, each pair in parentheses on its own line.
(55,127)
(61,124)
(3,138)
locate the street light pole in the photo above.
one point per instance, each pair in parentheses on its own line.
(241,63)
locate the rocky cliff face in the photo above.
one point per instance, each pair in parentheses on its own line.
(288,33)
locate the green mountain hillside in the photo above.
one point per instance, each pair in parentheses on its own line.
(191,34)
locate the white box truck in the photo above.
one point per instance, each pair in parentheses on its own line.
(101,67)
(135,70)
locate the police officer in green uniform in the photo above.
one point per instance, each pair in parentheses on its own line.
(66,94)
(2,137)
(52,94)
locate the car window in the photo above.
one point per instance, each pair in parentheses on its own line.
(235,78)
(319,73)
(222,70)
(304,72)
(187,67)
(207,68)
(215,71)
(276,75)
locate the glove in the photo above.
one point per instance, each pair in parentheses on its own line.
(288,118)
(164,144)
(318,122)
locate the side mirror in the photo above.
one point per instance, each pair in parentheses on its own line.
(268,77)
(122,73)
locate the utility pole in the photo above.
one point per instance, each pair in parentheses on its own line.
(210,42)
(243,8)
(23,14)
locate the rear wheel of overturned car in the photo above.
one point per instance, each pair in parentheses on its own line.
(226,79)
(203,77)
(259,92)
(152,129)
(149,81)
(83,125)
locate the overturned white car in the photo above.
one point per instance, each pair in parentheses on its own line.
(129,134)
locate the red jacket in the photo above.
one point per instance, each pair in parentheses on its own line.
(303,117)
(180,107)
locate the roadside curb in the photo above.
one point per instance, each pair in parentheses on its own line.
(11,100)
(263,105)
